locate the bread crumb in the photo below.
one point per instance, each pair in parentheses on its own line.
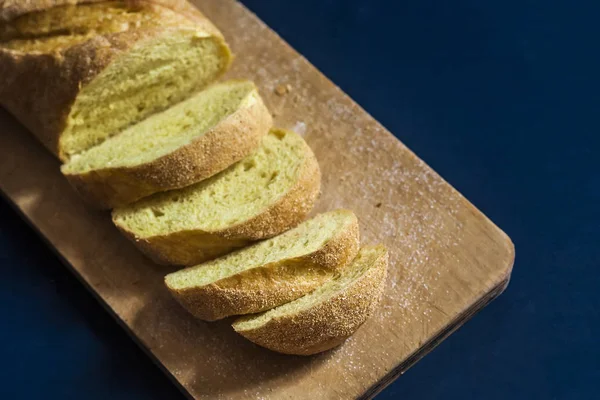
(282,89)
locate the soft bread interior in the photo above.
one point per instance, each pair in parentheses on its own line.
(167,131)
(365,260)
(235,195)
(154,75)
(306,238)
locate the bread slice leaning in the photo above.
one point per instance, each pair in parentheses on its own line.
(76,72)
(326,317)
(187,143)
(269,273)
(267,193)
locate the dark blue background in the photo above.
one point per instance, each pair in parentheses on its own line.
(501,98)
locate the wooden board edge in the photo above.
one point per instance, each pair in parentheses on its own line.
(436,340)
(96,296)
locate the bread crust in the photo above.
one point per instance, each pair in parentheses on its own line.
(192,247)
(273,284)
(229,141)
(326,325)
(48,83)
(11,9)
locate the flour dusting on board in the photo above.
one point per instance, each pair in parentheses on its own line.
(408,212)
(340,110)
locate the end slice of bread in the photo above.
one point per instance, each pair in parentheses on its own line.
(270,273)
(265,194)
(326,317)
(175,148)
(77,72)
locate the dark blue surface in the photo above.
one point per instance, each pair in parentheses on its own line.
(502,99)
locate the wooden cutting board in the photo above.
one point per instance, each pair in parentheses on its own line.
(447,259)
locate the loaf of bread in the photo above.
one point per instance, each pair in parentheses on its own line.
(182,145)
(266,193)
(120,91)
(76,72)
(326,317)
(269,273)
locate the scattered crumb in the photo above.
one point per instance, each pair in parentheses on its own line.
(282,89)
(378,205)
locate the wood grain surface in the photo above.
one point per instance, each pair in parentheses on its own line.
(447,259)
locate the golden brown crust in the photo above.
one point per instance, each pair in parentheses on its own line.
(192,247)
(327,324)
(11,9)
(48,84)
(273,284)
(228,142)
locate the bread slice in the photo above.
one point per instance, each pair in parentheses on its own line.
(76,72)
(326,317)
(269,273)
(187,143)
(265,194)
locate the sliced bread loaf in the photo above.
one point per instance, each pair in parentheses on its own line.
(271,272)
(76,72)
(182,145)
(263,195)
(326,317)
